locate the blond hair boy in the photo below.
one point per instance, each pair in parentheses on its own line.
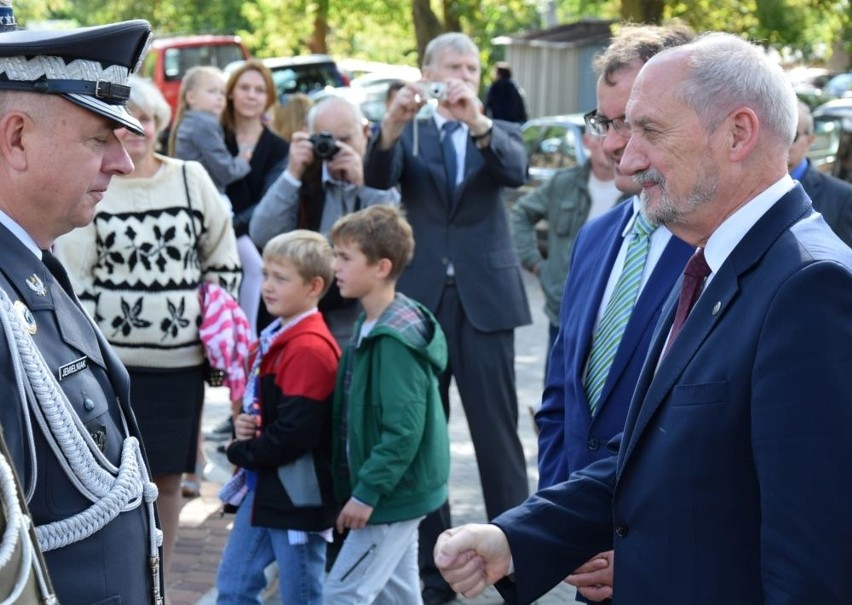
(283,441)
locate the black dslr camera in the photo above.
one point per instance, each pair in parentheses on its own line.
(325,145)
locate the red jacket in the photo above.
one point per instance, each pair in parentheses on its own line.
(292,453)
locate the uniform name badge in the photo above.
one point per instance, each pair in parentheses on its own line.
(69,369)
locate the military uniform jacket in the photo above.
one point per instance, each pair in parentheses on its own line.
(111,566)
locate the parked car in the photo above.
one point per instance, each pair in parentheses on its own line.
(169,59)
(369,88)
(836,117)
(808,82)
(313,75)
(552,143)
(838,87)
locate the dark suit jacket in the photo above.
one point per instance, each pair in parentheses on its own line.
(569,437)
(731,483)
(833,199)
(471,230)
(114,561)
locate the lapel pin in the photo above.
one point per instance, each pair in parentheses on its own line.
(717,307)
(36,285)
(26,317)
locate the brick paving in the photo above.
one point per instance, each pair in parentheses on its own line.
(203,532)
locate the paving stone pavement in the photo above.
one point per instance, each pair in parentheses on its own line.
(203,532)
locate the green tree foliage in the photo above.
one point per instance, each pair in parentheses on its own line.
(397,30)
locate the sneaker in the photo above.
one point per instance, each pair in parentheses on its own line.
(222,431)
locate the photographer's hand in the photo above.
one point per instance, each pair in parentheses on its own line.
(301,154)
(463,104)
(347,165)
(403,109)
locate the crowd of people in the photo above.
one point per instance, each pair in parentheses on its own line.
(698,288)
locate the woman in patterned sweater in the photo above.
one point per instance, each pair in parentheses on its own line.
(157,234)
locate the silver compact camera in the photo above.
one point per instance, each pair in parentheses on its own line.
(433,90)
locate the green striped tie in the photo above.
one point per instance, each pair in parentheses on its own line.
(617,314)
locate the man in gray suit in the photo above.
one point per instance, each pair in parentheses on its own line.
(451,169)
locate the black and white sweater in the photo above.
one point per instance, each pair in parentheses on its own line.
(138,265)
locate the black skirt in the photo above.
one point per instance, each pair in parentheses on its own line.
(167,404)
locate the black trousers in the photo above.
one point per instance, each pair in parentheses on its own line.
(483,365)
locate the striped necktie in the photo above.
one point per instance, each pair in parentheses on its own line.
(611,326)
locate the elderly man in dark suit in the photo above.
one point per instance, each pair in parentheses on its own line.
(66,412)
(725,487)
(451,169)
(831,197)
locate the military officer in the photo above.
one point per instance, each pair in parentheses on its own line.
(65,415)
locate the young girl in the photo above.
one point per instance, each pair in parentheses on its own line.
(197,134)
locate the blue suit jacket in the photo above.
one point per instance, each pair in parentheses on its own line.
(731,483)
(471,231)
(569,438)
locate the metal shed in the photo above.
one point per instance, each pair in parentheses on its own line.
(554,65)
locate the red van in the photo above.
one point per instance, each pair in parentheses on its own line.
(169,58)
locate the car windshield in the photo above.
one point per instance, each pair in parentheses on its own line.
(307,79)
(552,145)
(179,59)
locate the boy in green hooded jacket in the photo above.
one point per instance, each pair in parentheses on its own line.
(391,448)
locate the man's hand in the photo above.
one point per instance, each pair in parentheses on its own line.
(353,516)
(472,557)
(463,105)
(246,427)
(301,154)
(347,165)
(593,579)
(403,109)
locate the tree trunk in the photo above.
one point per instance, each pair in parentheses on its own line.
(642,11)
(426,26)
(452,23)
(318,42)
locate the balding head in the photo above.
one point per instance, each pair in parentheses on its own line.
(342,119)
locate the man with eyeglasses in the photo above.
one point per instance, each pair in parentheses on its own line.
(614,292)
(831,197)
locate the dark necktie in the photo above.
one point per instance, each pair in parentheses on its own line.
(448,150)
(58,271)
(694,274)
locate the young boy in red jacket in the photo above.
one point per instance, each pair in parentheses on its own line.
(283,435)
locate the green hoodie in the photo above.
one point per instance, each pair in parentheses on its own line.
(392,450)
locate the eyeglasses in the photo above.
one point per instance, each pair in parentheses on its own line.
(599,125)
(800,134)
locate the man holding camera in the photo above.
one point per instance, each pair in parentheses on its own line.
(324,180)
(451,168)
